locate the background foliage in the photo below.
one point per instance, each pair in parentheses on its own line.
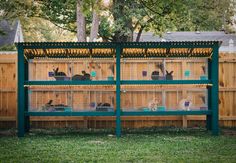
(54,19)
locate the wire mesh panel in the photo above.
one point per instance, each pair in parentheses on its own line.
(96,100)
(91,69)
(196,70)
(77,70)
(73,98)
(159,98)
(164,69)
(50,100)
(54,69)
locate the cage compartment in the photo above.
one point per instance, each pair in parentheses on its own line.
(153,98)
(164,69)
(50,100)
(195,69)
(49,70)
(91,69)
(94,100)
(68,99)
(76,70)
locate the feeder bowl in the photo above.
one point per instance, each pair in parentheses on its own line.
(66,78)
(51,74)
(67,109)
(186,104)
(104,108)
(144,73)
(186,73)
(92,104)
(155,77)
(203,77)
(146,109)
(161,108)
(93,73)
(59,108)
(203,108)
(161,78)
(110,78)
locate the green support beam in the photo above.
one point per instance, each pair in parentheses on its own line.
(118,111)
(21,91)
(215,91)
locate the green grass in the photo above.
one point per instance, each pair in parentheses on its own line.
(153,145)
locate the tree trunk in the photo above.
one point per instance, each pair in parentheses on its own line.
(95,26)
(81,26)
(139,34)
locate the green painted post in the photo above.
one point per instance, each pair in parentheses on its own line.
(214,90)
(209,117)
(26,109)
(21,91)
(118,110)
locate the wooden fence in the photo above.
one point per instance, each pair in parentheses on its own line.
(227,95)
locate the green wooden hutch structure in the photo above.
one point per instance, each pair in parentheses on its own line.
(118,51)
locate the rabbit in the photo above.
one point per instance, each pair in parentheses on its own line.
(59,75)
(102,106)
(185,103)
(161,67)
(169,75)
(155,75)
(152,105)
(48,106)
(86,75)
(78,77)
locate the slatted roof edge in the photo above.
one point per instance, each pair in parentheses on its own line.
(166,44)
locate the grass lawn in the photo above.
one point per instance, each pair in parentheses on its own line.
(152,145)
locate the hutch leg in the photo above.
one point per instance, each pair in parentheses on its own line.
(208,122)
(21,92)
(27,118)
(118,120)
(209,117)
(214,92)
(27,123)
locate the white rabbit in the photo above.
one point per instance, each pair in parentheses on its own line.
(185,103)
(152,105)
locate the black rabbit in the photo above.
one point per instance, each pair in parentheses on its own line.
(169,75)
(59,75)
(86,75)
(78,77)
(155,75)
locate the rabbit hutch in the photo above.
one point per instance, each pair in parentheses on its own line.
(118,79)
